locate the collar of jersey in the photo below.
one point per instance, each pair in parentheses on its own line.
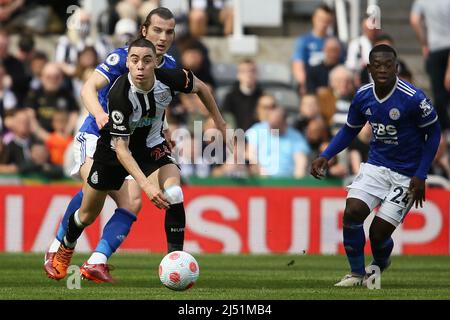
(136,89)
(162,62)
(388,95)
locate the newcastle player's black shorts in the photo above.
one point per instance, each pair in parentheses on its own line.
(111,177)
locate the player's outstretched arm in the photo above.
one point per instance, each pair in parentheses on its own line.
(126,159)
(341,141)
(90,99)
(319,167)
(417,183)
(205,95)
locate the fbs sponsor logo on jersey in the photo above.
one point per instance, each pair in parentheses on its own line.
(426,107)
(94,178)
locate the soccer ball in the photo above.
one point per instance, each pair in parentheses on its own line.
(178,270)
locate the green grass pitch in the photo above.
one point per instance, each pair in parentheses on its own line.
(225,277)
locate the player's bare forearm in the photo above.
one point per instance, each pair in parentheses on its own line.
(126,159)
(129,163)
(90,99)
(205,95)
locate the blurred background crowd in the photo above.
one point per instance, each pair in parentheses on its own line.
(306,99)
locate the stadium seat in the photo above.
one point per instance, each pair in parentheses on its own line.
(274,73)
(286,97)
(224,73)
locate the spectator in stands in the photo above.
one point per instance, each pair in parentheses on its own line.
(276,148)
(18,150)
(237,164)
(194,56)
(31,16)
(8,100)
(77,37)
(37,63)
(359,49)
(190,158)
(124,30)
(309,109)
(265,104)
(43,102)
(342,86)
(205,14)
(8,9)
(58,140)
(317,76)
(241,101)
(316,134)
(308,48)
(87,60)
(14,68)
(39,164)
(25,52)
(431,23)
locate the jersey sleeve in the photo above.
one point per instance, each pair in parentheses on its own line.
(179,80)
(355,117)
(424,112)
(114,65)
(119,110)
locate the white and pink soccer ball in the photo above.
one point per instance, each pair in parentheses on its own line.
(178,270)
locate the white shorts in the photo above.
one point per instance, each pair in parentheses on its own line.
(379,185)
(84,146)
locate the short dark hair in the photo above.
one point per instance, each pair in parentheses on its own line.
(26,42)
(382,48)
(323,7)
(142,43)
(162,12)
(384,37)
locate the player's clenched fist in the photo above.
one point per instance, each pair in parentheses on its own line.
(156,197)
(318,167)
(102,119)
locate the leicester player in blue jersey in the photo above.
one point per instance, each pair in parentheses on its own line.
(406,136)
(159,28)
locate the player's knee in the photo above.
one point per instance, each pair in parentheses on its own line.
(174,194)
(355,212)
(352,216)
(135,205)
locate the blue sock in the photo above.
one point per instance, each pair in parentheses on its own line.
(354,241)
(73,206)
(115,231)
(381,252)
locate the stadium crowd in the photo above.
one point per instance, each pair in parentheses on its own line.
(41,110)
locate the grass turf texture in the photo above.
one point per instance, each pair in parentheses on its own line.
(231,277)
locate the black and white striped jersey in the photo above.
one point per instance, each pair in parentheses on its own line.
(140,114)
